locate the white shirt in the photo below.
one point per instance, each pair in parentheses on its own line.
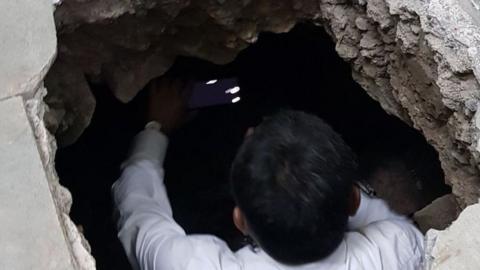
(377,237)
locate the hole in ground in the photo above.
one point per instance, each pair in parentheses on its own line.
(298,70)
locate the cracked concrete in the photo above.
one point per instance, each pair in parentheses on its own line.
(32,235)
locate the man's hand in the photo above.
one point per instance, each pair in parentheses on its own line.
(167,103)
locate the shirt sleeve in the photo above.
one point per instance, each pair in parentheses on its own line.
(150,236)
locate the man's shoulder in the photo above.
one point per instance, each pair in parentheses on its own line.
(400,229)
(395,242)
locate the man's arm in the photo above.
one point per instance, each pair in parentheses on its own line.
(139,195)
(151,237)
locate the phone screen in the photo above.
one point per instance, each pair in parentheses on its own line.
(214,92)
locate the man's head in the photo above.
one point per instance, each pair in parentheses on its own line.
(292,180)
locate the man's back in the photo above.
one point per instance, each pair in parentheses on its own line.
(377,237)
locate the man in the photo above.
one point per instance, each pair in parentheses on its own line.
(294,182)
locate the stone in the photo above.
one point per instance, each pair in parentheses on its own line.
(74,107)
(377,10)
(28,45)
(456,247)
(370,40)
(32,235)
(347,51)
(362,23)
(438,215)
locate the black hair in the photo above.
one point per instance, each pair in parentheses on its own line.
(292,179)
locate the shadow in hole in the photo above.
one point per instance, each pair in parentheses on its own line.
(298,70)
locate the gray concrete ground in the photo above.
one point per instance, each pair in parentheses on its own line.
(31,236)
(28,44)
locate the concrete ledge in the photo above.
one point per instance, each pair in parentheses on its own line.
(32,237)
(28,44)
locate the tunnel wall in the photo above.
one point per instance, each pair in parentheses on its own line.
(419,59)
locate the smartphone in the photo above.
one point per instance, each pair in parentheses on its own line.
(214,92)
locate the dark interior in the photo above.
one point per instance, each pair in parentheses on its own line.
(297,70)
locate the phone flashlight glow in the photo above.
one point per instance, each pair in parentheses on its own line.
(233,90)
(212,82)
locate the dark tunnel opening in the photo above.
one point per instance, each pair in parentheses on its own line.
(297,70)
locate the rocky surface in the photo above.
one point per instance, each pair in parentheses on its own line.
(70,111)
(410,60)
(79,251)
(438,215)
(457,247)
(417,58)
